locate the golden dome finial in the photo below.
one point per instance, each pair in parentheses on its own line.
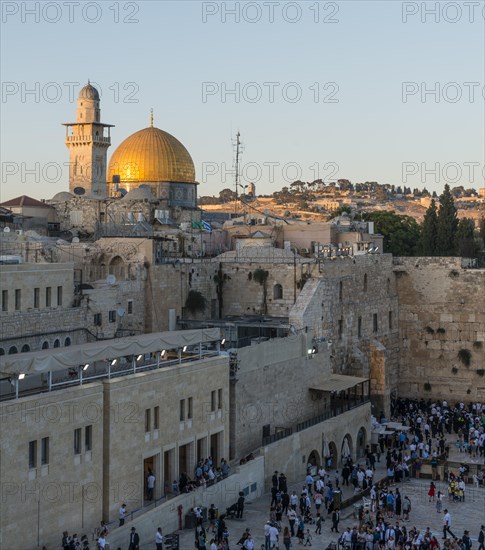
(151,118)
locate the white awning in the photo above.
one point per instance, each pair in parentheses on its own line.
(338,382)
(74,356)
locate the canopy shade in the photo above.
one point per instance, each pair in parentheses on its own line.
(339,382)
(73,356)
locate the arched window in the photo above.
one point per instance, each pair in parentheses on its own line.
(45,345)
(365,282)
(67,342)
(2,351)
(12,350)
(388,285)
(57,343)
(277,292)
(25,348)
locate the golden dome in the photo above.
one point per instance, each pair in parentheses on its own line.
(149,156)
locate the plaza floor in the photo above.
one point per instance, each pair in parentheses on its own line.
(467,515)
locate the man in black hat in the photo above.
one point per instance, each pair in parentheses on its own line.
(134,540)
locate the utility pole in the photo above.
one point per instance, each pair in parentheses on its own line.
(238,153)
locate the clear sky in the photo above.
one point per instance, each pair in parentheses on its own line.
(322,89)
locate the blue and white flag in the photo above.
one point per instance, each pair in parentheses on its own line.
(206,226)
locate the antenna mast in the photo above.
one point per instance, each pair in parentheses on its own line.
(238,153)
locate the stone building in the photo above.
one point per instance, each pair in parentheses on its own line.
(71,456)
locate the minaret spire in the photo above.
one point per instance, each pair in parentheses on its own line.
(151,118)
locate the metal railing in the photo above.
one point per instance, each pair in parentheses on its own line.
(332,412)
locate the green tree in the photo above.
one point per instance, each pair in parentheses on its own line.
(401,233)
(447,225)
(465,238)
(429,231)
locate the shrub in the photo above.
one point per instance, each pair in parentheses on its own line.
(477,345)
(195,302)
(440,330)
(465,356)
(454,370)
(429,330)
(481,372)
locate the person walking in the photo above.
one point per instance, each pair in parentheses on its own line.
(122,514)
(286,538)
(134,540)
(159,539)
(318,530)
(481,538)
(406,508)
(439,502)
(431,492)
(335,520)
(447,524)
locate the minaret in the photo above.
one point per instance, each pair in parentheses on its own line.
(88,140)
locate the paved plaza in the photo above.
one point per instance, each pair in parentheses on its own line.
(467,515)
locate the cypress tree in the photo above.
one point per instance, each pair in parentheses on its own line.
(447,225)
(465,238)
(429,231)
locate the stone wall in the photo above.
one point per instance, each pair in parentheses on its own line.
(39,502)
(272,388)
(442,318)
(291,454)
(352,303)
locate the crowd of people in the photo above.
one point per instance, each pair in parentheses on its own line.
(206,473)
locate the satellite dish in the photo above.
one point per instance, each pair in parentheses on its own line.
(6,229)
(111,279)
(75,239)
(79,191)
(120,311)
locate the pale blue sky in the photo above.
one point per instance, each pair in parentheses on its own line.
(171,52)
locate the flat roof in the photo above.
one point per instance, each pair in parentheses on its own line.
(338,382)
(57,359)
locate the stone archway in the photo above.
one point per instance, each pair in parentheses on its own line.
(314,458)
(361,442)
(331,460)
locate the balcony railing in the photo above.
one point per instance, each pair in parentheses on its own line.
(331,412)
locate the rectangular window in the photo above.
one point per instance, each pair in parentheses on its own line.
(156,418)
(390,320)
(182,410)
(219,399)
(48,296)
(36,298)
(340,291)
(374,322)
(189,408)
(98,320)
(44,451)
(33,454)
(4,300)
(359,327)
(77,441)
(148,420)
(213,400)
(18,299)
(340,328)
(88,438)
(112,316)
(130,306)
(59,295)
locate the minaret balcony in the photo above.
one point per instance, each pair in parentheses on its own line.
(89,139)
